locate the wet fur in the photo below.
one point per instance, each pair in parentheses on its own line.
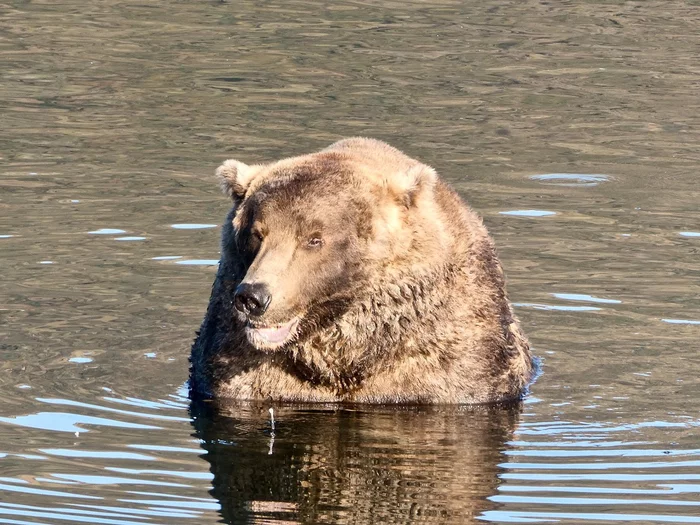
(418,314)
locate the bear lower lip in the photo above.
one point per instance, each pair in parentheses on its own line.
(273,335)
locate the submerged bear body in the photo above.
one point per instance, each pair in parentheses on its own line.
(356,275)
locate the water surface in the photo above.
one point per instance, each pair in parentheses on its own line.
(571,127)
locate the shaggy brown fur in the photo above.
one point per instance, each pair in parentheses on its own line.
(384,287)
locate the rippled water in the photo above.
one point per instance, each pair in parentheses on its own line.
(573,128)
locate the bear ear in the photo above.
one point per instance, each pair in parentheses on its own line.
(409,185)
(235,177)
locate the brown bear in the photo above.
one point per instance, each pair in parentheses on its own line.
(356,275)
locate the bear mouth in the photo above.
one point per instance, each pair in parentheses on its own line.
(272,336)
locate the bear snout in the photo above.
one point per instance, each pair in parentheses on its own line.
(252,299)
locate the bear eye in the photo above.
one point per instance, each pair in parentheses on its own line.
(314,242)
(257,231)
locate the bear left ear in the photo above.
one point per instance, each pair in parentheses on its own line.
(409,185)
(235,177)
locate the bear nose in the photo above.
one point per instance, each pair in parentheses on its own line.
(252,298)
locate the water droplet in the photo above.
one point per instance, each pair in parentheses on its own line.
(529,213)
(107,231)
(584,297)
(556,307)
(199,262)
(571,179)
(80,360)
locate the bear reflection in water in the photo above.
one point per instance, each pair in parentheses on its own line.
(367,465)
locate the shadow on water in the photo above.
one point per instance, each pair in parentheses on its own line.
(378,465)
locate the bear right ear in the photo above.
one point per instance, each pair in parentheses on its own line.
(235,177)
(409,185)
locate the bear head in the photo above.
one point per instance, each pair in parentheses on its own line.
(309,236)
